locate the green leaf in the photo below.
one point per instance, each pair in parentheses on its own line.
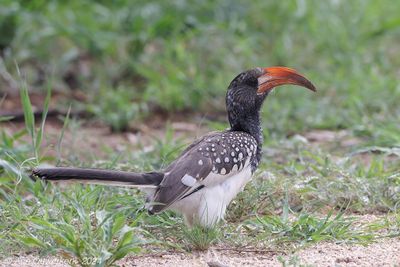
(127,236)
(118,223)
(39,223)
(123,251)
(31,241)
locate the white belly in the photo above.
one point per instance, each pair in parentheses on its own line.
(208,205)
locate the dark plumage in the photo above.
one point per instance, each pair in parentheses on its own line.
(204,179)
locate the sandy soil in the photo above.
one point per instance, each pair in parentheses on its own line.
(383,253)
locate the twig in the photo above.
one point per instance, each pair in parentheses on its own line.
(19,114)
(248,250)
(155,255)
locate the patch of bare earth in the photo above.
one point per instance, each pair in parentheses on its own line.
(97,139)
(386,252)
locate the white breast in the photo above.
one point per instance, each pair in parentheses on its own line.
(208,205)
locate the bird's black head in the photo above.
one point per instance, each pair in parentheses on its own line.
(248,90)
(242,97)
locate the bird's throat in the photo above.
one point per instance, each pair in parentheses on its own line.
(251,124)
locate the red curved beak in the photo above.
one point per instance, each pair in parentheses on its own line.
(275,76)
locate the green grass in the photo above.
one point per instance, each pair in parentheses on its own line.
(178,56)
(130,59)
(306,228)
(200,238)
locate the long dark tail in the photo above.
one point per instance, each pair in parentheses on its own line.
(99,176)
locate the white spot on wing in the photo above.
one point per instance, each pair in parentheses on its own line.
(235,168)
(188,180)
(200,162)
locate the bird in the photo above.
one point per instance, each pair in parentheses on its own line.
(211,171)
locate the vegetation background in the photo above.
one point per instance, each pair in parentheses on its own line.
(121,63)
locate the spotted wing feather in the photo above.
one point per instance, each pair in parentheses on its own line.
(223,153)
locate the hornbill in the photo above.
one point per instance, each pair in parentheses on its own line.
(209,173)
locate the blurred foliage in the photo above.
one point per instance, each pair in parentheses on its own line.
(180,55)
(113,108)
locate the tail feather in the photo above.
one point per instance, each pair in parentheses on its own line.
(99,176)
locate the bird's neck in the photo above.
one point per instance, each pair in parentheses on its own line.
(244,113)
(251,124)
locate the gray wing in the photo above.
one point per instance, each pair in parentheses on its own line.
(222,153)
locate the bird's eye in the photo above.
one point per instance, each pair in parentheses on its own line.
(252,81)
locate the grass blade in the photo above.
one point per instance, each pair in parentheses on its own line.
(39,136)
(66,121)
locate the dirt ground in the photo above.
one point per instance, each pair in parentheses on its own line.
(383,253)
(84,141)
